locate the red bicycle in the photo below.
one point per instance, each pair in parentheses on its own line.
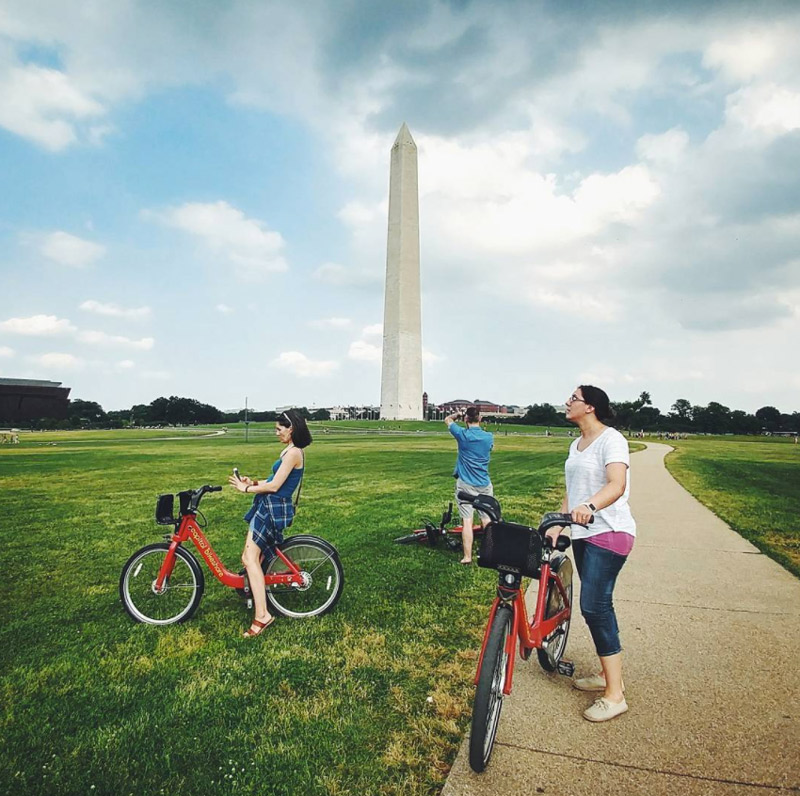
(162,583)
(431,534)
(518,551)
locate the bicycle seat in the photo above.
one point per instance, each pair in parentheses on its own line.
(489,506)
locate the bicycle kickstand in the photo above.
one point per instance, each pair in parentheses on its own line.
(567,668)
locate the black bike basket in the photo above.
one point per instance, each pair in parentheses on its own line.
(509,547)
(164,510)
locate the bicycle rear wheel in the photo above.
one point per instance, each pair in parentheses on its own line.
(323,578)
(552,652)
(177,599)
(489,693)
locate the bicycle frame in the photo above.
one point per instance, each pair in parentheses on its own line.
(189,529)
(531,635)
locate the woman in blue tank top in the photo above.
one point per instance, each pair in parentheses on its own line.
(272,510)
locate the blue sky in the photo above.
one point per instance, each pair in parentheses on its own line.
(194,198)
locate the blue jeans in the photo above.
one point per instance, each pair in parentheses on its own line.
(598,569)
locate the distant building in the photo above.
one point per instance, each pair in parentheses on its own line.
(22,400)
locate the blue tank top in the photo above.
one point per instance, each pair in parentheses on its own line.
(291,482)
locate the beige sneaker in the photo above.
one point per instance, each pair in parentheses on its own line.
(595,682)
(603,710)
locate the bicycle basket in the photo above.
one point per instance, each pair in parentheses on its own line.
(509,547)
(164,510)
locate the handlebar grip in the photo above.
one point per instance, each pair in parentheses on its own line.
(465,497)
(215,489)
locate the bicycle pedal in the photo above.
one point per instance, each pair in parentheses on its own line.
(567,668)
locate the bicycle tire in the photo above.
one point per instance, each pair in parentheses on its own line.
(550,656)
(319,561)
(489,694)
(411,538)
(178,599)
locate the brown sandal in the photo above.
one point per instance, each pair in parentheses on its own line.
(262,626)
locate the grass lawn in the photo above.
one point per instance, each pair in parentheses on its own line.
(753,484)
(373,698)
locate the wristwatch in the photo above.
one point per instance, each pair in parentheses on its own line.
(591,507)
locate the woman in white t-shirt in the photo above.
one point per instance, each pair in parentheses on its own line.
(598,484)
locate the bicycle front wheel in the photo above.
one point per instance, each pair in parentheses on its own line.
(553,648)
(178,597)
(489,693)
(323,578)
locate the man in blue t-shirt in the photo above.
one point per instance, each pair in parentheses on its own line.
(472,469)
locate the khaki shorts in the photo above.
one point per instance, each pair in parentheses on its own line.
(465,509)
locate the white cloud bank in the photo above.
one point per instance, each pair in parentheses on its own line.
(43,105)
(38,326)
(245,243)
(66,249)
(298,364)
(113,310)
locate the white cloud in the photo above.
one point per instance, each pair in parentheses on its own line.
(331,323)
(300,365)
(114,310)
(246,243)
(43,105)
(103,339)
(362,351)
(224,309)
(429,358)
(666,148)
(769,110)
(59,361)
(5,351)
(373,330)
(66,249)
(126,364)
(38,326)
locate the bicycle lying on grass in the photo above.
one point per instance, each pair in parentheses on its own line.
(518,551)
(431,535)
(162,583)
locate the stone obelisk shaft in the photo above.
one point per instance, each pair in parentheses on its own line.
(401,376)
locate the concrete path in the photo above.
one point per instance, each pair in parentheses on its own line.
(711,630)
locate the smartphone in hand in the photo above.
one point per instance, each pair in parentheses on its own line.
(236,473)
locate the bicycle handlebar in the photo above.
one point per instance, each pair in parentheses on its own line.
(196,495)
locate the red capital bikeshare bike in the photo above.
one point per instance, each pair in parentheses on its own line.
(518,551)
(163,583)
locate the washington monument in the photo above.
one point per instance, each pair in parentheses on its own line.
(401,374)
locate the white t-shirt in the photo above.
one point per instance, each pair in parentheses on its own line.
(586,476)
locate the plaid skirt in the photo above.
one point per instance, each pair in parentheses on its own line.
(268,517)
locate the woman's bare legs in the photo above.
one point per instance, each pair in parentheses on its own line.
(251,558)
(612,671)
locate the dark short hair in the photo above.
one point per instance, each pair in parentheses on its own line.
(473,414)
(301,436)
(597,398)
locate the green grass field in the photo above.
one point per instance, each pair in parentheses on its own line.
(372,698)
(752,483)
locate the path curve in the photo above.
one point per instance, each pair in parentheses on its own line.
(711,630)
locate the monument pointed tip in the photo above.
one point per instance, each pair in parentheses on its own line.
(404,136)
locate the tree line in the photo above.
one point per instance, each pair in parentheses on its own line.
(638,415)
(683,417)
(172,411)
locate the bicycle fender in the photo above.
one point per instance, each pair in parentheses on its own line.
(307,537)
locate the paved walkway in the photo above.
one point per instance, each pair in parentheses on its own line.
(711,630)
